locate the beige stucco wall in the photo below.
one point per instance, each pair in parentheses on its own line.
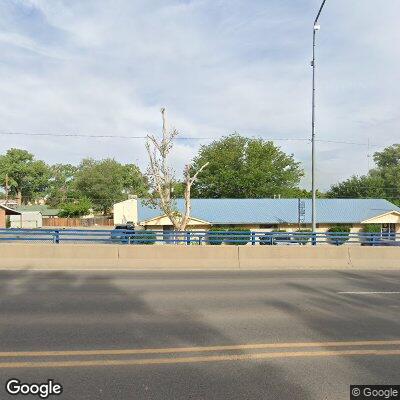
(126,211)
(161,221)
(390,218)
(200,228)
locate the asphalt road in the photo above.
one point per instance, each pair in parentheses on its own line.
(200,335)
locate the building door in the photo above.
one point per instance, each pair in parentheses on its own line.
(388,231)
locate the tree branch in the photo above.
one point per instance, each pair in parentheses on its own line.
(161,176)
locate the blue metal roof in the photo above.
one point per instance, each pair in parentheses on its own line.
(276,211)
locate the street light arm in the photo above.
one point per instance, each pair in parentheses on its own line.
(319,12)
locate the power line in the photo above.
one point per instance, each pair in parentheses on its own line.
(364,198)
(89,135)
(27,198)
(344,142)
(372,187)
(125,136)
(108,136)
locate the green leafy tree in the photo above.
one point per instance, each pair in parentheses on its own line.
(133,181)
(178,189)
(27,178)
(381,182)
(61,188)
(305,194)
(388,170)
(106,182)
(75,209)
(365,186)
(241,167)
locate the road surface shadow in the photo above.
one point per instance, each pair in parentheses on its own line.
(74,311)
(336,316)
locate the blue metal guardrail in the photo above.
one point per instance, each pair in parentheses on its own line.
(197,237)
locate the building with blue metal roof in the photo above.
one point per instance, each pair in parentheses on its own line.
(268,214)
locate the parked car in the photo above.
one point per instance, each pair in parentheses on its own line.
(123,233)
(276,238)
(126,234)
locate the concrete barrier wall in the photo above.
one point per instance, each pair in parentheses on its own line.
(385,257)
(40,255)
(179,257)
(275,257)
(103,256)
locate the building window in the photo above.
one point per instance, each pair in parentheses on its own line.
(389,231)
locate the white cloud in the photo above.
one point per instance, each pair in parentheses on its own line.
(101,67)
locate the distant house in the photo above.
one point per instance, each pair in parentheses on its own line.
(9,203)
(47,212)
(269,214)
(31,217)
(5,213)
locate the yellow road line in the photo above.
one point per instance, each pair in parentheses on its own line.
(198,349)
(182,360)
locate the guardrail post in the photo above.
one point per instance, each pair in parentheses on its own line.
(253,238)
(314,238)
(188,238)
(56,237)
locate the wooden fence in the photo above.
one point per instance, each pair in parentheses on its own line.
(77,222)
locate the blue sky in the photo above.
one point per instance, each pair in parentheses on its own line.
(219,66)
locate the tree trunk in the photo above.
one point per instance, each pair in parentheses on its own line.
(161,177)
(19,197)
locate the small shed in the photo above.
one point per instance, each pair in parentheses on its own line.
(27,220)
(125,211)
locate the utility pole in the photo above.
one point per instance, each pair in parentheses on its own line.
(298,213)
(6,188)
(316,28)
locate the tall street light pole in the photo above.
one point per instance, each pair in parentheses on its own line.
(316,28)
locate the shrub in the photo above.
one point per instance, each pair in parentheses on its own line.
(76,209)
(216,235)
(145,237)
(239,236)
(338,238)
(373,232)
(302,239)
(372,228)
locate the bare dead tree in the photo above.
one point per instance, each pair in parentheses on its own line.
(161,176)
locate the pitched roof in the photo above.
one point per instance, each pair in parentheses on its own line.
(44,210)
(276,211)
(9,211)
